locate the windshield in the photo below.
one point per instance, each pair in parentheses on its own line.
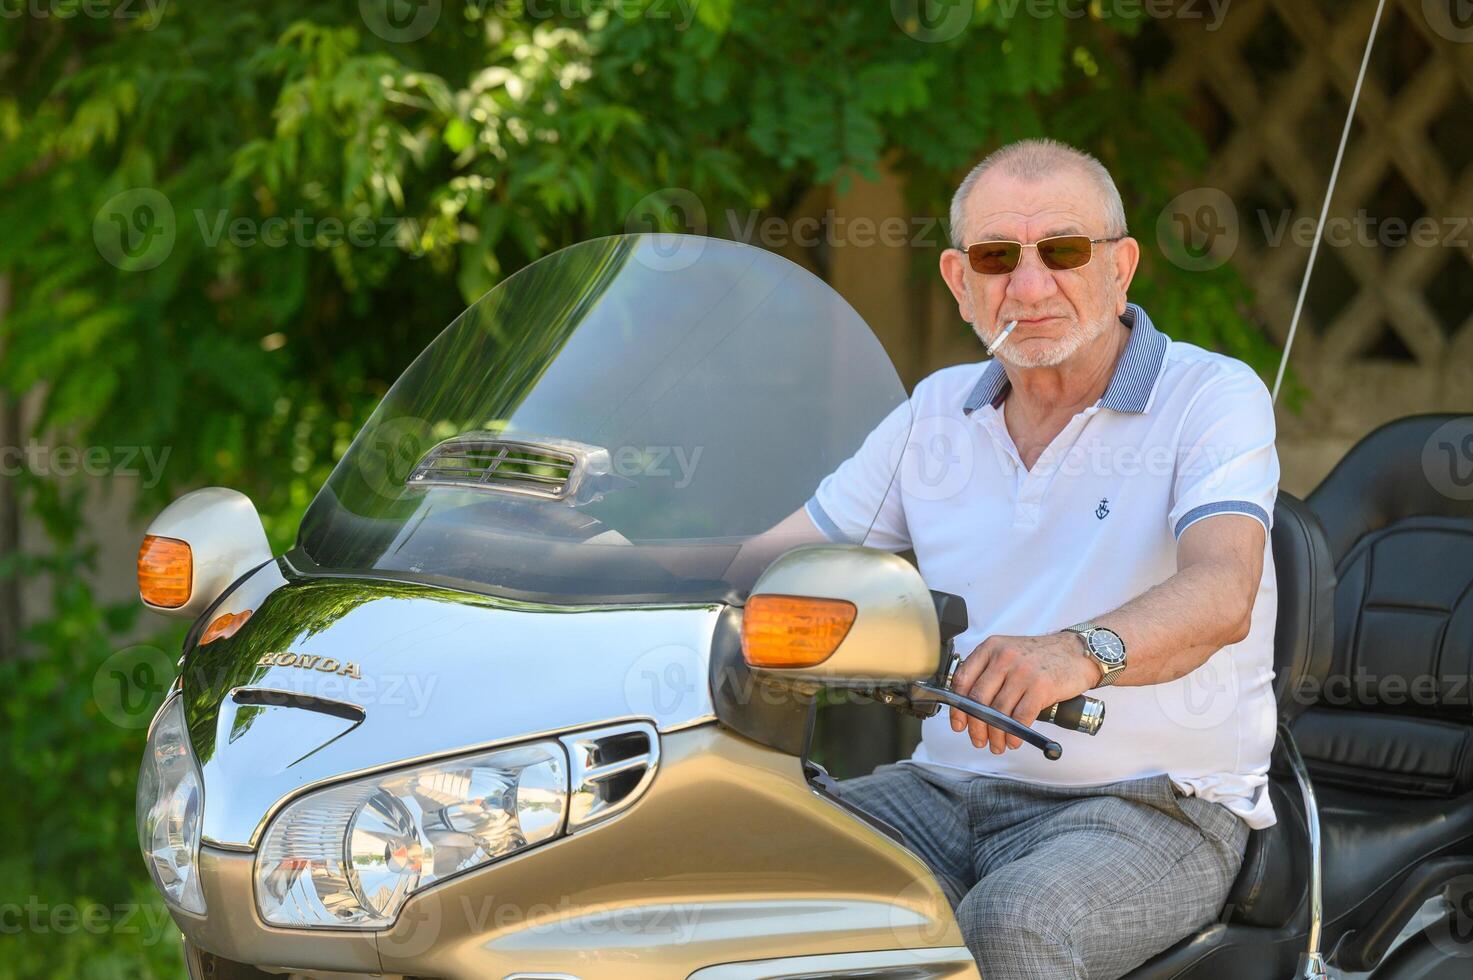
(612,423)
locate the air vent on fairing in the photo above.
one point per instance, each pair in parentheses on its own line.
(477,460)
(609,768)
(550,468)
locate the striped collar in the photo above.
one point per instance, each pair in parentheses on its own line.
(1130,387)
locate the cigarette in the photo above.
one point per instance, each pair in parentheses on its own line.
(1001,338)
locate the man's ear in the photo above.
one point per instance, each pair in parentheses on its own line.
(954,271)
(1127,259)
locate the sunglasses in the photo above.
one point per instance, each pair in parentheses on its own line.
(1058,253)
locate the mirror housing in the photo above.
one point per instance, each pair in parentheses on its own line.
(196,548)
(894,637)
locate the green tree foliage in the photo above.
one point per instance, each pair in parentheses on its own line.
(227,227)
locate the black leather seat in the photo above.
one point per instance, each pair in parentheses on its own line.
(1389,739)
(1267,908)
(1395,712)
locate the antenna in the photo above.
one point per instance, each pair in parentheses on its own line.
(1314,249)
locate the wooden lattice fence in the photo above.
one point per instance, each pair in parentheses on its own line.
(1388,327)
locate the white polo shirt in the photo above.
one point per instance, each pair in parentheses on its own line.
(1180,435)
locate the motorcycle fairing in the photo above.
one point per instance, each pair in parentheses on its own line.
(332,678)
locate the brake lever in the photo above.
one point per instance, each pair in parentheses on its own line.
(921,693)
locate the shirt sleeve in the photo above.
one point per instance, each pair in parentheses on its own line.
(1226,459)
(859,503)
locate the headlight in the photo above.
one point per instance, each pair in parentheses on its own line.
(350,856)
(170,798)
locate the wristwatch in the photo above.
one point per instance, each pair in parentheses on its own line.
(1104,647)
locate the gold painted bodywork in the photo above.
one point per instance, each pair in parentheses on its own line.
(730,859)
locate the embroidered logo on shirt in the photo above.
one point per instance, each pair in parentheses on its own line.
(1103,508)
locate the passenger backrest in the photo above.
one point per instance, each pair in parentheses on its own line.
(1396,712)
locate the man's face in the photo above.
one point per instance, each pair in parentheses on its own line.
(1058,312)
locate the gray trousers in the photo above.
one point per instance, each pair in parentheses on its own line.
(1062,882)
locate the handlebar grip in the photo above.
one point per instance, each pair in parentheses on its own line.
(1078,714)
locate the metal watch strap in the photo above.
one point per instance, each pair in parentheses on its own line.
(1107,673)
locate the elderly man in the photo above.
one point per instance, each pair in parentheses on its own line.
(1100,495)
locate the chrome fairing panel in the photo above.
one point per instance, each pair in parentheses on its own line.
(334,677)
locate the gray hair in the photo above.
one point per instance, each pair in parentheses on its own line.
(1032,159)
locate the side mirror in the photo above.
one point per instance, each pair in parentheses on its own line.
(196,548)
(841,615)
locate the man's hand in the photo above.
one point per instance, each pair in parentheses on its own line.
(1020,676)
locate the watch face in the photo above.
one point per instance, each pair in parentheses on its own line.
(1107,647)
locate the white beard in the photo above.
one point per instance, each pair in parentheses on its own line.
(1052,353)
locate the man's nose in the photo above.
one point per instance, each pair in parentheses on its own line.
(1031,281)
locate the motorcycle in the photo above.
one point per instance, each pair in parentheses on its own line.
(533,694)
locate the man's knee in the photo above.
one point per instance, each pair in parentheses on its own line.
(1017,926)
(1014,897)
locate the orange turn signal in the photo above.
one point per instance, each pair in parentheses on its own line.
(224,627)
(165,572)
(794,631)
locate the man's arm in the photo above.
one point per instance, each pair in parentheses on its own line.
(1170,630)
(859,502)
(758,552)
